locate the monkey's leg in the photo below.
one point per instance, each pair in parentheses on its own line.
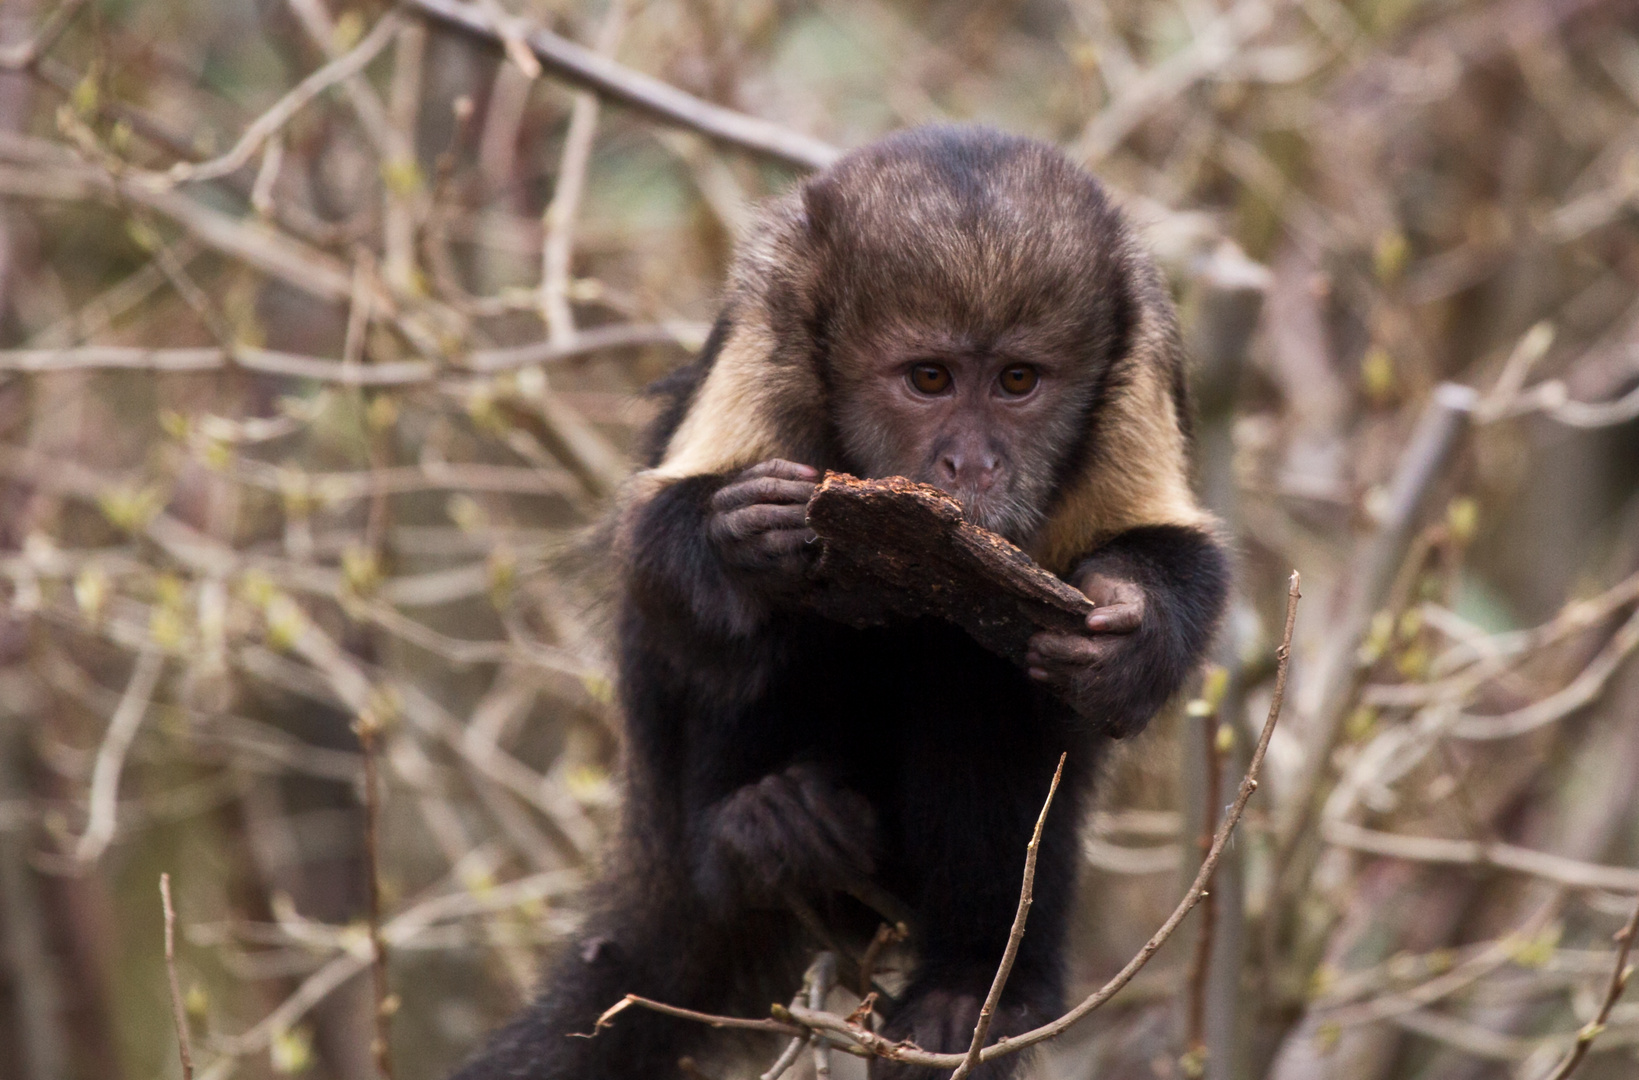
(965,844)
(664,951)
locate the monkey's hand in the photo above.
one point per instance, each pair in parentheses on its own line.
(793,831)
(1097,672)
(758,522)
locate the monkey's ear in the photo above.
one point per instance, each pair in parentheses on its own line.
(821,206)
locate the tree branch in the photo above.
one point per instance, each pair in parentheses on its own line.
(584,67)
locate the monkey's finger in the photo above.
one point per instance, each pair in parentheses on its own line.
(784,541)
(783,469)
(1106,589)
(746,823)
(800,826)
(1048,649)
(836,821)
(762,489)
(844,815)
(749,521)
(1119,618)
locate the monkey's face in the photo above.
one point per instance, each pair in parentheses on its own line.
(968,302)
(983,424)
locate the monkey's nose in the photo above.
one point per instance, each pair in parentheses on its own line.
(972,472)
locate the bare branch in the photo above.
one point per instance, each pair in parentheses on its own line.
(558,221)
(184,1042)
(1427,457)
(1620,974)
(1200,968)
(1015,935)
(1216,45)
(23,55)
(390,373)
(584,67)
(399,930)
(369,724)
(1556,868)
(822,976)
(105,775)
(267,125)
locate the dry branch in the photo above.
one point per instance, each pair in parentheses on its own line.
(1620,974)
(370,724)
(1427,458)
(1014,936)
(584,67)
(105,775)
(1556,868)
(23,55)
(184,1043)
(389,373)
(271,122)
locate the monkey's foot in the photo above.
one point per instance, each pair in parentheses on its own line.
(942,1021)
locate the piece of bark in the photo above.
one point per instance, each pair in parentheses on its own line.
(894,547)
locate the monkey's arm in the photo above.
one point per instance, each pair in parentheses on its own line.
(720,551)
(1159,592)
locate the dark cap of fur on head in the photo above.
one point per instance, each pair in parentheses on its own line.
(966,229)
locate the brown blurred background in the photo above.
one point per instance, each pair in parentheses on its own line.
(323,328)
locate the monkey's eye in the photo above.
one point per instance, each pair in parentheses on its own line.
(930,378)
(1018,381)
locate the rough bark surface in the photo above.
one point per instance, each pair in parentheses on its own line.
(894,547)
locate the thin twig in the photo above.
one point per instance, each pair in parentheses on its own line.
(25,54)
(402,194)
(390,373)
(1574,873)
(401,929)
(1620,975)
(1428,456)
(736,1023)
(822,976)
(369,728)
(512,38)
(788,1056)
(361,93)
(1015,935)
(105,774)
(1201,963)
(887,934)
(184,1043)
(267,125)
(558,221)
(1215,46)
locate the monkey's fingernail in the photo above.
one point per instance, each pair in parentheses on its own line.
(1038,673)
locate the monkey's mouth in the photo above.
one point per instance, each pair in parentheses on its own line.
(998,510)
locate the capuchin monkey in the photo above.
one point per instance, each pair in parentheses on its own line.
(966,309)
